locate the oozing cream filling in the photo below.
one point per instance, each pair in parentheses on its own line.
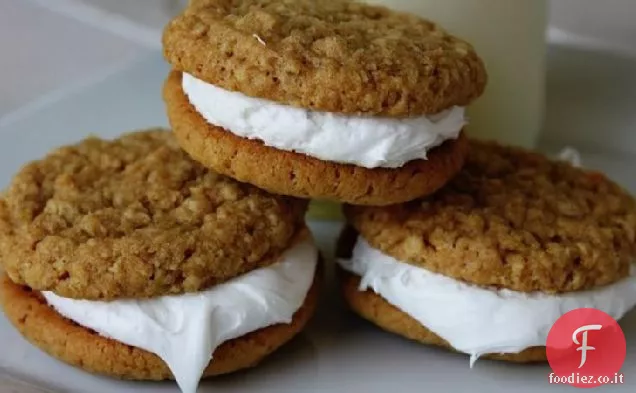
(185,330)
(473,319)
(365,141)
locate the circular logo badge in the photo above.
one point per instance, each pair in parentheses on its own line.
(586,348)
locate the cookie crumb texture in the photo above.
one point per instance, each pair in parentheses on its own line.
(67,341)
(136,217)
(512,219)
(329,55)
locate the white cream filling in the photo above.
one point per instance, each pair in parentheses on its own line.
(477,320)
(370,142)
(185,330)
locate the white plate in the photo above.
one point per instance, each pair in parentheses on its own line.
(339,352)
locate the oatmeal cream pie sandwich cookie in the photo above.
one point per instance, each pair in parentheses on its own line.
(326,99)
(488,264)
(128,258)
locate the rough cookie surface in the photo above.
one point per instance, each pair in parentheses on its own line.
(329,55)
(83,348)
(136,217)
(512,219)
(375,309)
(289,173)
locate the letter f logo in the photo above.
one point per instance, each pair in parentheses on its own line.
(583,344)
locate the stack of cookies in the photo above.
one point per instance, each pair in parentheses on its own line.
(182,255)
(139,260)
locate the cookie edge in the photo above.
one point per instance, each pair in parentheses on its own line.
(67,341)
(185,52)
(233,156)
(375,309)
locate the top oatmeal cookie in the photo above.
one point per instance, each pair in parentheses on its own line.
(329,55)
(136,217)
(512,219)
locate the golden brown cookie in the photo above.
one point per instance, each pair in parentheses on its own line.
(298,175)
(83,348)
(375,309)
(335,55)
(136,217)
(512,219)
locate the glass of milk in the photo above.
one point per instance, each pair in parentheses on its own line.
(510,35)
